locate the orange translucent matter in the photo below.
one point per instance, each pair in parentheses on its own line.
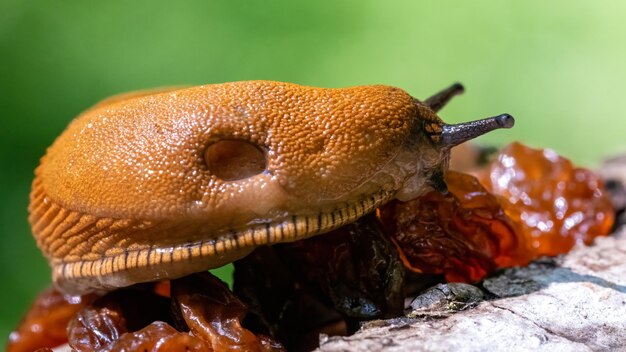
(46,322)
(463,235)
(195,313)
(555,204)
(533,203)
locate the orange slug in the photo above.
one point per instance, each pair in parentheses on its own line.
(163,184)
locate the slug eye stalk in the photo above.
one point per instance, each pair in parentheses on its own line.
(456,134)
(450,135)
(440,99)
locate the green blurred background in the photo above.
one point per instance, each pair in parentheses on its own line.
(558,66)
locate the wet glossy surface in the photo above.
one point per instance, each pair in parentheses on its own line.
(100,325)
(211,312)
(201,315)
(45,323)
(463,235)
(534,203)
(555,203)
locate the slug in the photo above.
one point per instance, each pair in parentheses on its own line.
(162,184)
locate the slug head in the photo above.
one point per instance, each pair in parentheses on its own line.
(435,139)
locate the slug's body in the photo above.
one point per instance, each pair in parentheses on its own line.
(163,185)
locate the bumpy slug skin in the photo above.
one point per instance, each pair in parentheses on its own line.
(137,189)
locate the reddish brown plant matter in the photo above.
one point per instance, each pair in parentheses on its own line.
(120,318)
(541,205)
(210,311)
(463,234)
(158,337)
(201,315)
(45,323)
(555,204)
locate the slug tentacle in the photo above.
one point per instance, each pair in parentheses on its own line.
(440,99)
(452,135)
